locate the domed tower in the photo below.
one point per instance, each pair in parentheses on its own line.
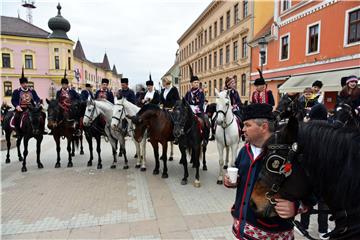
(59,25)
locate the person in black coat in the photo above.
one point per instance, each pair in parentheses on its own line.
(86,93)
(126,92)
(169,94)
(104,92)
(152,95)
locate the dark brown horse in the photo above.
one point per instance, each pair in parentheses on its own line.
(60,128)
(160,127)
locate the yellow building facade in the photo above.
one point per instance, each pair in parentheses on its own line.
(216,45)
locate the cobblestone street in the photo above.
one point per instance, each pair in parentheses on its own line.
(83,202)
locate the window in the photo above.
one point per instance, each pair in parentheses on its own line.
(69,63)
(210,33)
(210,88)
(29,62)
(313,38)
(236,13)
(221,54)
(195,70)
(205,63)
(57,62)
(6,60)
(215,86)
(285,5)
(215,59)
(235,49)
(220,84)
(56,50)
(196,44)
(210,61)
(263,59)
(215,29)
(244,47)
(201,64)
(243,84)
(235,77)
(284,47)
(69,51)
(221,24)
(227,20)
(205,35)
(245,8)
(354,26)
(7,89)
(227,54)
(192,46)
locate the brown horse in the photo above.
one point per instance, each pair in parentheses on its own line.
(160,127)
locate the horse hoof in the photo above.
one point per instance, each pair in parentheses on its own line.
(225,167)
(220,182)
(164,175)
(113,166)
(171,159)
(197,183)
(81,152)
(135,156)
(99,166)
(205,168)
(137,166)
(7,161)
(143,169)
(89,164)
(70,164)
(40,165)
(57,165)
(184,182)
(126,167)
(156,172)
(73,154)
(20,159)
(23,169)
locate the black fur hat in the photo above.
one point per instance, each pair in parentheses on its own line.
(317,83)
(124,80)
(258,110)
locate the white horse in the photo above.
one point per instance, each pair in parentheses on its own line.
(124,109)
(93,109)
(227,132)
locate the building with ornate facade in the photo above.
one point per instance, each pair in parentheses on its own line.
(45,56)
(308,41)
(216,45)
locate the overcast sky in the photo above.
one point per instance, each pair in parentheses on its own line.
(139,36)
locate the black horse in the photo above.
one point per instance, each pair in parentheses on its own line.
(288,106)
(4,110)
(346,116)
(317,158)
(32,126)
(61,128)
(188,132)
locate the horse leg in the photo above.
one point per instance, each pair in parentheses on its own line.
(26,141)
(156,155)
(89,140)
(143,155)
(138,154)
(81,145)
(204,147)
(73,147)
(164,158)
(122,145)
(38,151)
(114,148)
(226,157)
(183,160)
(57,141)
(98,150)
(69,141)
(220,148)
(197,150)
(18,142)
(171,158)
(8,143)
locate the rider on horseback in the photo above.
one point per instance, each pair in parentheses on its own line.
(196,98)
(68,100)
(129,95)
(350,94)
(21,99)
(86,94)
(151,95)
(104,92)
(169,94)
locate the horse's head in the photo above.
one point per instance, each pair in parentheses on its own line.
(35,117)
(118,115)
(53,113)
(281,175)
(287,107)
(344,113)
(91,113)
(4,109)
(223,105)
(180,115)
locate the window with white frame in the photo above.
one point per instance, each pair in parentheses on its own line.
(6,63)
(285,5)
(29,62)
(285,47)
(353,35)
(244,47)
(313,38)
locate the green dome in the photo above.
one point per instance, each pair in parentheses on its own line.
(59,26)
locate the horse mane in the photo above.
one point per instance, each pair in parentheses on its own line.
(147,107)
(330,151)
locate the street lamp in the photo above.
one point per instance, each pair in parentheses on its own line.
(262,46)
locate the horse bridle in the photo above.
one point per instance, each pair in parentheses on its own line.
(348,109)
(281,166)
(91,117)
(224,113)
(119,118)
